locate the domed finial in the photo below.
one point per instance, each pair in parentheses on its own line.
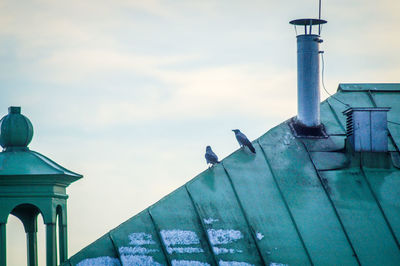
(16,130)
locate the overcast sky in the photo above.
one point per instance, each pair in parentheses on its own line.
(129,93)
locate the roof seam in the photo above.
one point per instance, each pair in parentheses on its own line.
(335,116)
(52,167)
(244,214)
(379,206)
(114,246)
(286,205)
(64,171)
(202,225)
(331,202)
(157,229)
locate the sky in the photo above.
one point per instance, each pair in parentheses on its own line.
(129,93)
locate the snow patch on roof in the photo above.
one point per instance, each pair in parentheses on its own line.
(139,239)
(221,236)
(218,250)
(259,236)
(179,237)
(100,261)
(138,260)
(188,263)
(136,250)
(210,220)
(171,238)
(234,263)
(184,250)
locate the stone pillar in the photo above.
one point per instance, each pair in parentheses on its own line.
(51,245)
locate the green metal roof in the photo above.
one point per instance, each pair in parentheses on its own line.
(16,160)
(28,162)
(296,201)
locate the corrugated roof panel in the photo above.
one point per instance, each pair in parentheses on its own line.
(314,215)
(361,217)
(138,242)
(264,207)
(369,87)
(385,185)
(181,230)
(100,252)
(227,228)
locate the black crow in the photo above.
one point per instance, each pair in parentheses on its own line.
(211,157)
(243,140)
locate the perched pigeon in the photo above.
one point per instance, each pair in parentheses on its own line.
(243,140)
(211,157)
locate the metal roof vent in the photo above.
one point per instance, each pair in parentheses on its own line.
(366,129)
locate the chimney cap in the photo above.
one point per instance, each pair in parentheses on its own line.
(307,21)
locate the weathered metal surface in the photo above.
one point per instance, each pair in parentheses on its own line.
(296,201)
(182,230)
(331,144)
(312,212)
(100,252)
(229,234)
(361,217)
(138,241)
(265,208)
(329,160)
(385,185)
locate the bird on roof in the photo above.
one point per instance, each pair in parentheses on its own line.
(211,157)
(243,140)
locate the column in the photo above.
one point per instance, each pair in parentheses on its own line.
(3,242)
(62,229)
(31,240)
(51,245)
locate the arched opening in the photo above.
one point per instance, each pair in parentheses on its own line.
(22,237)
(41,238)
(16,242)
(58,232)
(61,227)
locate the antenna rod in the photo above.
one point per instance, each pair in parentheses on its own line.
(319,17)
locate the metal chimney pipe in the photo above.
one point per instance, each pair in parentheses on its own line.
(308,73)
